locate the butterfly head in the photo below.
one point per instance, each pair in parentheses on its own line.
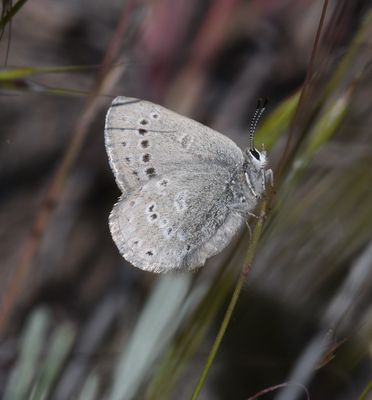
(256,159)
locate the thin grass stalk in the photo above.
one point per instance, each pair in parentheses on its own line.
(277,387)
(6,18)
(366,391)
(193,334)
(286,159)
(196,328)
(247,265)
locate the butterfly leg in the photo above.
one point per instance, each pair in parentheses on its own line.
(250,186)
(263,180)
(242,209)
(238,209)
(249,230)
(269,177)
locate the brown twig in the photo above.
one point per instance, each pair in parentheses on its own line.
(309,74)
(247,264)
(279,386)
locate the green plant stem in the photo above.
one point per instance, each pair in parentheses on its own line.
(367,390)
(247,264)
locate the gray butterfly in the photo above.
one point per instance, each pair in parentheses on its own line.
(186,189)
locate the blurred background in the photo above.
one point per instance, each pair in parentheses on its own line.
(77,321)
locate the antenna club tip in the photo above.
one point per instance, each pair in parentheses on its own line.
(262,102)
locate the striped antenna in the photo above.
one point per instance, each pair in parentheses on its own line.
(260,109)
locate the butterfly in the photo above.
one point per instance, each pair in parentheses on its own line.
(186,189)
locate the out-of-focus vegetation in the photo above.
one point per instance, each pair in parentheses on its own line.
(77,321)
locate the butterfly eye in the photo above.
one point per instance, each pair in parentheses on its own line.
(255,154)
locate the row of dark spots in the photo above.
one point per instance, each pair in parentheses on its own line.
(149,171)
(145,158)
(144,143)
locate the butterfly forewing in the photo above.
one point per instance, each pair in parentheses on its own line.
(144,140)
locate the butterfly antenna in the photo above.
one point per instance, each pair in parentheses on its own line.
(260,109)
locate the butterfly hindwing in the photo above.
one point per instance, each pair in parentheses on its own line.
(176,220)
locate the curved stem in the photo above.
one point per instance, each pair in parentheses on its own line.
(368,389)
(247,264)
